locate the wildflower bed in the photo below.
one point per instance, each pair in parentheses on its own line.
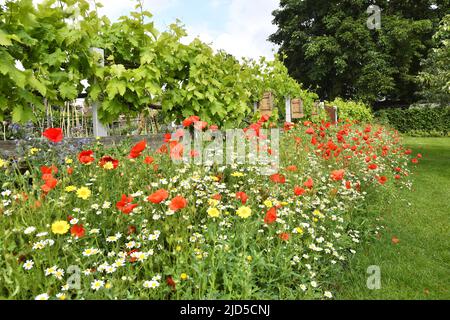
(110,223)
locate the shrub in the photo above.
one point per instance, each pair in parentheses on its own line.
(424,121)
(353,110)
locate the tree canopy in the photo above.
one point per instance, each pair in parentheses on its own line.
(330,48)
(435,77)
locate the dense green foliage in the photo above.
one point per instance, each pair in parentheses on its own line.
(353,110)
(142,66)
(329,45)
(436,75)
(418,121)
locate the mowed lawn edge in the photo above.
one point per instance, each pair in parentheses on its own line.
(413,249)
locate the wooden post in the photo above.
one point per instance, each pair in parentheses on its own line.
(99,129)
(288,109)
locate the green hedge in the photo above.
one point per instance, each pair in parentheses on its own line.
(353,110)
(418,121)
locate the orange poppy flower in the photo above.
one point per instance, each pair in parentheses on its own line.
(178,203)
(271,216)
(86,157)
(158,197)
(242,196)
(54,134)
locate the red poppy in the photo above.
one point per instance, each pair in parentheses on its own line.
(171,283)
(310,131)
(278,178)
(200,125)
(178,203)
(217,197)
(382,179)
(271,216)
(136,151)
(398,177)
(415,161)
(167,137)
(50,184)
(299,191)
(419,155)
(149,160)
(288,126)
(49,170)
(190,121)
(86,157)
(77,231)
(373,166)
(284,236)
(264,118)
(292,168)
(348,185)
(158,197)
(163,149)
(242,196)
(69,171)
(125,204)
(338,175)
(309,184)
(106,159)
(54,134)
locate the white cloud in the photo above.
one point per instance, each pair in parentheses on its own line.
(245,34)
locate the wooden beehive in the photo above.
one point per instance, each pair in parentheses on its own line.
(266,104)
(297,109)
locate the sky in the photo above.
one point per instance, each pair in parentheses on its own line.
(240,27)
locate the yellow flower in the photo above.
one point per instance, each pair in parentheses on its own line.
(3,163)
(184,276)
(178,248)
(319,214)
(213,212)
(108,166)
(244,212)
(83,193)
(108,286)
(299,230)
(213,202)
(70,189)
(249,258)
(60,227)
(213,178)
(69,161)
(284,204)
(315,220)
(268,204)
(237,174)
(34,151)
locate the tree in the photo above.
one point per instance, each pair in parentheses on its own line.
(330,48)
(435,78)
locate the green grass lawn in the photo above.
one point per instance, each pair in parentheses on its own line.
(418,266)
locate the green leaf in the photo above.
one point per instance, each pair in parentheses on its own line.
(68,91)
(36,84)
(5,39)
(94,91)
